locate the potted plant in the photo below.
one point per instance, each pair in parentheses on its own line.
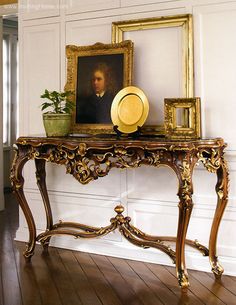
(57,121)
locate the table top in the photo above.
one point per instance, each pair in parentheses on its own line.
(105,140)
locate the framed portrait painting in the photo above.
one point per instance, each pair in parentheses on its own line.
(95,74)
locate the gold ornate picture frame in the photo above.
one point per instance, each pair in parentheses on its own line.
(182,118)
(95,74)
(119,29)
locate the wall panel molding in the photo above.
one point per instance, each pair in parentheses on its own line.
(41,60)
(125,13)
(128,3)
(33,9)
(81,6)
(214,23)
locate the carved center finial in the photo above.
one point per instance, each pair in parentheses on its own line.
(119,209)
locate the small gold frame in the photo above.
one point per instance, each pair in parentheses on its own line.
(182,118)
(98,50)
(185,22)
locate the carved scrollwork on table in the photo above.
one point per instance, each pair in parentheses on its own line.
(88,163)
(185,191)
(211,159)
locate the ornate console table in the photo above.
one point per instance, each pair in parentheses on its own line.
(87,158)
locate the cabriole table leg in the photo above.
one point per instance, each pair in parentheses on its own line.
(222,198)
(41,182)
(17,181)
(185,209)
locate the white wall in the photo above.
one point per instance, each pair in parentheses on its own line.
(1,127)
(148,194)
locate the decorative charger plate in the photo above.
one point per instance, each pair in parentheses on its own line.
(129,109)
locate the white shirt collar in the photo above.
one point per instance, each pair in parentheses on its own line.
(100,94)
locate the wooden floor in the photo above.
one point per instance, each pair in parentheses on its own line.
(64,277)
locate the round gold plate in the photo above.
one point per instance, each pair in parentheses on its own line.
(129,109)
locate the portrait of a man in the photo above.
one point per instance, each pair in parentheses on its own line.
(99,78)
(95,74)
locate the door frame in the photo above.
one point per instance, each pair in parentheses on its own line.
(5,10)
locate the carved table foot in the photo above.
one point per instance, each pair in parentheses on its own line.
(45,243)
(217,269)
(183,279)
(29,251)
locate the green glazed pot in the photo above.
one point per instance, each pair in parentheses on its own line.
(57,124)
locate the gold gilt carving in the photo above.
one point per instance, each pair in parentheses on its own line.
(201,248)
(13,177)
(186,187)
(223,181)
(183,279)
(211,159)
(86,165)
(119,221)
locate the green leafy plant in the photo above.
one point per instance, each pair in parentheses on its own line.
(59,102)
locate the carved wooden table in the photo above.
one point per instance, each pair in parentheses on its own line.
(87,158)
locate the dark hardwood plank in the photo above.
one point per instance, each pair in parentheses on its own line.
(10,282)
(215,287)
(26,271)
(104,291)
(143,292)
(27,277)
(79,279)
(1,289)
(47,288)
(226,281)
(61,278)
(199,290)
(35,281)
(232,277)
(162,291)
(123,290)
(185,297)
(12,211)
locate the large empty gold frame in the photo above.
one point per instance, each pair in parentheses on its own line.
(182,21)
(89,158)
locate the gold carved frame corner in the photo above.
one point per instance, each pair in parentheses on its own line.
(183,21)
(190,128)
(98,49)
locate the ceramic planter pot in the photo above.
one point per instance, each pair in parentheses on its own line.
(57,125)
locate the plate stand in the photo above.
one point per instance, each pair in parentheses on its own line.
(133,135)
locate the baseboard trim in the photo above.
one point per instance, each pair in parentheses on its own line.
(123,249)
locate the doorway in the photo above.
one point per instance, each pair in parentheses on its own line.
(10,93)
